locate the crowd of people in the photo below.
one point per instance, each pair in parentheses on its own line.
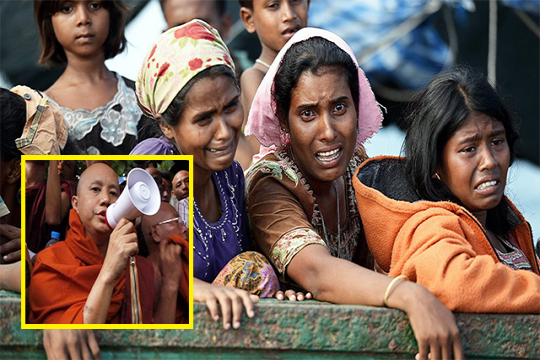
(313,206)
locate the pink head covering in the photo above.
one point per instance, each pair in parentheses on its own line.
(263,122)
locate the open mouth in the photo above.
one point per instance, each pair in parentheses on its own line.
(328,156)
(486,185)
(289,32)
(221,150)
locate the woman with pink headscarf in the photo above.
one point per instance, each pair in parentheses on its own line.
(311,114)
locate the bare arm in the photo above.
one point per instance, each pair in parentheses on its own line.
(433,324)
(171,272)
(57,202)
(250,81)
(122,245)
(10,277)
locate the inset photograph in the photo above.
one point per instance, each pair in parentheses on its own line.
(107,242)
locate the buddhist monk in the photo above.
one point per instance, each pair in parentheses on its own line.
(85,279)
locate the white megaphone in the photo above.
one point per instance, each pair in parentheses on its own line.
(141,196)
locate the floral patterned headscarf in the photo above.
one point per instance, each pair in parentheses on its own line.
(177,56)
(262,121)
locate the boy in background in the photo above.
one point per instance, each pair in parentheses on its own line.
(275,22)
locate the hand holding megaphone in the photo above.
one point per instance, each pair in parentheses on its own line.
(140,197)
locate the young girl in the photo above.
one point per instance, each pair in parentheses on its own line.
(448,224)
(99,107)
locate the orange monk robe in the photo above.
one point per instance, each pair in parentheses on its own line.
(65,273)
(182,303)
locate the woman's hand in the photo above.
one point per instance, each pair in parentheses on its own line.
(11,238)
(230,300)
(433,324)
(293,295)
(70,344)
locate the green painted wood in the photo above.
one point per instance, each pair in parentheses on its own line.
(286,330)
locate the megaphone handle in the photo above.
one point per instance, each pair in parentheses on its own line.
(135,295)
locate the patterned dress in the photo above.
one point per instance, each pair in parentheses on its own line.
(110,129)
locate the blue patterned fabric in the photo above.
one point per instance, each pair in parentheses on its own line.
(392,39)
(215,244)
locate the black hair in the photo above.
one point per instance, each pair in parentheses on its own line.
(54,53)
(311,55)
(171,116)
(12,122)
(246,3)
(436,113)
(220,6)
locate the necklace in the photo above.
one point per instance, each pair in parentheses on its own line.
(338,222)
(259,61)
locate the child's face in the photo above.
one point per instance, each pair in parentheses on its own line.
(81,27)
(276,21)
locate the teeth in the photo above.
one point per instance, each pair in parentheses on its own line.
(486,185)
(329,155)
(212,150)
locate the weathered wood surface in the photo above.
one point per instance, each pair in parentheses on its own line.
(285,330)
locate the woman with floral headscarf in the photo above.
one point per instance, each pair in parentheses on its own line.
(311,114)
(187,84)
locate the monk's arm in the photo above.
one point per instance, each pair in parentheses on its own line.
(99,300)
(122,245)
(171,272)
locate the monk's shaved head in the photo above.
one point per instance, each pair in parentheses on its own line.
(97,189)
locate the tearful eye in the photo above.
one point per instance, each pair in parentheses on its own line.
(340,108)
(307,114)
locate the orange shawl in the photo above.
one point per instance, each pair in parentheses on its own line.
(64,275)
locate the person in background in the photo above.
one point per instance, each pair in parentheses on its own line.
(171,263)
(156,175)
(180,185)
(30,126)
(48,201)
(167,186)
(67,169)
(179,12)
(274,23)
(99,107)
(449,225)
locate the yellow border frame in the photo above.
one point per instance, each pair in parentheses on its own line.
(24,325)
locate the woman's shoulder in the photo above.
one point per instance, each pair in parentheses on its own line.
(155,146)
(277,166)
